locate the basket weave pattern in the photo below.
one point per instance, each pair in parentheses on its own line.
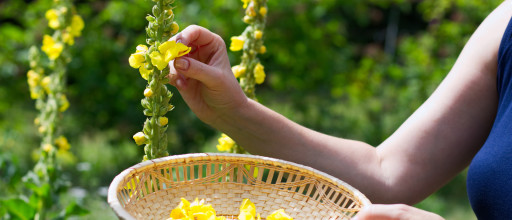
(150,190)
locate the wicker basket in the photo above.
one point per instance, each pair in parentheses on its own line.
(150,190)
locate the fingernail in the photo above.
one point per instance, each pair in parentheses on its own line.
(181,64)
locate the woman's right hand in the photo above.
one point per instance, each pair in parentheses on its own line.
(204,77)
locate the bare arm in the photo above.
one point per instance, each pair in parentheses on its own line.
(434,144)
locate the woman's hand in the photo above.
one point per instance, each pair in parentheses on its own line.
(395,212)
(204,77)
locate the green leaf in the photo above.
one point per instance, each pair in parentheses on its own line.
(74,209)
(19,208)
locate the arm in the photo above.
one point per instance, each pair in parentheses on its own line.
(434,144)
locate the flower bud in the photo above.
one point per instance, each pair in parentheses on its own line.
(150,18)
(258,34)
(140,138)
(263,11)
(174,28)
(263,49)
(162,121)
(148,92)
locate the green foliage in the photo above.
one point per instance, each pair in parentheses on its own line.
(354,68)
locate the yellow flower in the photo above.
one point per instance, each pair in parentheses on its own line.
(137,59)
(258,34)
(140,138)
(33,78)
(237,43)
(145,72)
(131,185)
(64,103)
(158,60)
(170,107)
(77,24)
(47,147)
(162,121)
(62,143)
(246,2)
(247,210)
(263,49)
(45,83)
(51,48)
(36,121)
(279,215)
(196,210)
(168,51)
(238,70)
(225,143)
(263,11)
(259,73)
(52,16)
(148,92)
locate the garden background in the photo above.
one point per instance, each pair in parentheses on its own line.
(353,68)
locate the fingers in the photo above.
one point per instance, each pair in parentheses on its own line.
(205,44)
(186,67)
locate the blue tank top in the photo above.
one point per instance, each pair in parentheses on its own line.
(489,179)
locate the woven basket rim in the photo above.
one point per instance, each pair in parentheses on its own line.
(115,204)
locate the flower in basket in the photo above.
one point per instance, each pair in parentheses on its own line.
(196,210)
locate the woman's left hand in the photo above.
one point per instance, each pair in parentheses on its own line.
(394,212)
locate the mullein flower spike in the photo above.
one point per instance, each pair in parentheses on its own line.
(250,71)
(152,60)
(47,83)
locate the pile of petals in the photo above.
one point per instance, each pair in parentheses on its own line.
(197,210)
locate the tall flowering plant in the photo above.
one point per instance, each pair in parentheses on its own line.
(152,61)
(47,83)
(250,71)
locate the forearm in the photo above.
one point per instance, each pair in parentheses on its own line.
(264,132)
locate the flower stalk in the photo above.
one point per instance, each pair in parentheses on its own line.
(152,60)
(250,71)
(47,83)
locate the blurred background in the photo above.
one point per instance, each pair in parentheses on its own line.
(354,69)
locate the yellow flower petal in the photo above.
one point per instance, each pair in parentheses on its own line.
(248,206)
(238,70)
(237,43)
(136,59)
(225,143)
(77,24)
(145,72)
(47,147)
(158,60)
(64,103)
(45,83)
(279,215)
(52,16)
(259,73)
(246,2)
(51,48)
(62,143)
